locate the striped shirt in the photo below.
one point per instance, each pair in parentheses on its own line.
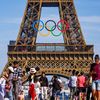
(17,73)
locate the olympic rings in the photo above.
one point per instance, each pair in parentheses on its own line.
(45,35)
(36,23)
(52,29)
(61,24)
(63,21)
(54,34)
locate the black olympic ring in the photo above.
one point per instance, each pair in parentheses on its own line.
(51,29)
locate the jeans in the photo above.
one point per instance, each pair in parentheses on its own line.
(10,94)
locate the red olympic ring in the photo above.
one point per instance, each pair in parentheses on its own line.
(66,28)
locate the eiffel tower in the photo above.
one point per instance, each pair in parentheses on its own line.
(76,55)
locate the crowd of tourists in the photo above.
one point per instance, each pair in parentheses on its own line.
(82,86)
(86,87)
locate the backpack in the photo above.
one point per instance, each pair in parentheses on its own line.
(57,85)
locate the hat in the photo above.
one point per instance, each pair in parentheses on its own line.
(32,70)
(11,69)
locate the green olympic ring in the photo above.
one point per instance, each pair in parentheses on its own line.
(55,34)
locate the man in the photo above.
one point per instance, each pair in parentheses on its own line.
(95,72)
(73,83)
(17,79)
(56,88)
(44,85)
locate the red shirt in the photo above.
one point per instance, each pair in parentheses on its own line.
(81,81)
(96,69)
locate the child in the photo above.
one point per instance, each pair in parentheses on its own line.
(21,95)
(7,89)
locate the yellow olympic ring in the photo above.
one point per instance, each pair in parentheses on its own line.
(43,34)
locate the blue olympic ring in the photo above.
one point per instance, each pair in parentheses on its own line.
(35,23)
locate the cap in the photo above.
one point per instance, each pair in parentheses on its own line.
(11,69)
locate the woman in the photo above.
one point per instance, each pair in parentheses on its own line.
(37,88)
(3,83)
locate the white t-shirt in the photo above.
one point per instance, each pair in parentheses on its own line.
(73,81)
(3,82)
(37,87)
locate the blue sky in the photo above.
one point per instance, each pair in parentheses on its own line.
(11,13)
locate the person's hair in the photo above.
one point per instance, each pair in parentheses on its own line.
(77,72)
(43,73)
(15,62)
(55,76)
(10,64)
(82,73)
(97,56)
(73,72)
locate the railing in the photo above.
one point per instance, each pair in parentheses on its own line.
(50,0)
(50,48)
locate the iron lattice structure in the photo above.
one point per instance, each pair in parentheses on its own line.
(75,55)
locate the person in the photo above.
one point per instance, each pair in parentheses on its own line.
(17,79)
(32,75)
(81,81)
(37,88)
(44,85)
(95,73)
(10,78)
(76,95)
(56,88)
(73,84)
(7,89)
(89,87)
(21,95)
(32,91)
(3,83)
(31,79)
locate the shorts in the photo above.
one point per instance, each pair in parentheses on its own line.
(96,85)
(58,93)
(81,89)
(73,90)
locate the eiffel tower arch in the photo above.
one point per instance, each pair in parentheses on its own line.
(75,55)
